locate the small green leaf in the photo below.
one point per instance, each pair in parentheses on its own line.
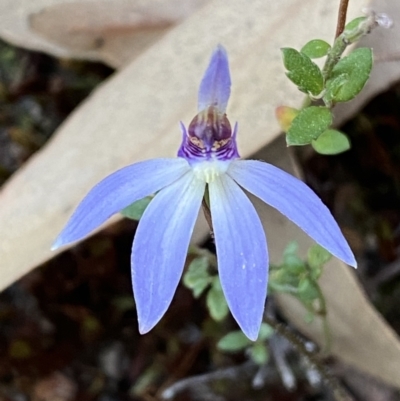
(216,302)
(316,48)
(275,286)
(317,256)
(303,72)
(233,342)
(293,265)
(136,210)
(197,278)
(290,258)
(307,290)
(266,332)
(331,142)
(291,248)
(309,124)
(353,24)
(291,262)
(259,353)
(349,76)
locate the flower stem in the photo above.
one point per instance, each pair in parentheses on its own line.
(325,325)
(342,14)
(339,392)
(206,210)
(322,312)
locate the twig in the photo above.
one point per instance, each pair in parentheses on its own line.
(202,382)
(342,14)
(389,272)
(279,346)
(183,367)
(338,391)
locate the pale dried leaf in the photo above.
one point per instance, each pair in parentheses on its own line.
(113,31)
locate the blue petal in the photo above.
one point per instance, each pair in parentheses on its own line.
(241,252)
(118,191)
(160,247)
(215,86)
(296,201)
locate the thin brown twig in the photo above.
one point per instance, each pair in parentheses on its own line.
(342,15)
(203,384)
(183,368)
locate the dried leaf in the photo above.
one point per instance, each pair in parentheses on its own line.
(113,31)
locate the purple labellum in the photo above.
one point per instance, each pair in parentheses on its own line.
(209,137)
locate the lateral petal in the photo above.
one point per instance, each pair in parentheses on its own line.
(215,87)
(241,253)
(118,191)
(296,201)
(160,247)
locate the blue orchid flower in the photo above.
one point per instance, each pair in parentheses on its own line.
(207,160)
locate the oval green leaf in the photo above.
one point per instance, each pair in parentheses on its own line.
(331,142)
(354,24)
(307,290)
(316,48)
(233,342)
(317,256)
(216,302)
(259,353)
(308,125)
(136,210)
(302,71)
(266,331)
(197,278)
(349,76)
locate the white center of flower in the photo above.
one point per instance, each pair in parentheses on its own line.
(208,170)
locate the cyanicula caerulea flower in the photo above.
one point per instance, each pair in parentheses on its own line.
(207,160)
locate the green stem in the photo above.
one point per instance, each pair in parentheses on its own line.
(325,325)
(322,312)
(336,51)
(347,37)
